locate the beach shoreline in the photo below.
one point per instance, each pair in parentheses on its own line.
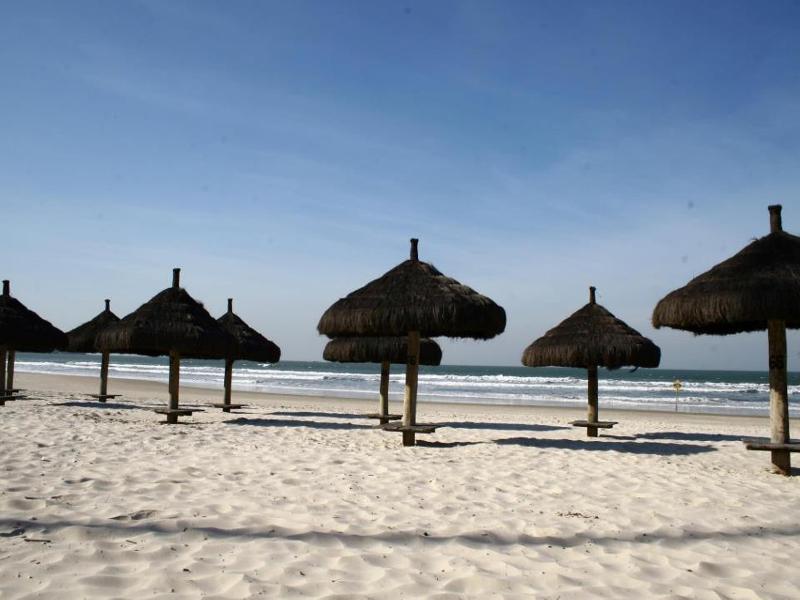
(702,391)
(192,392)
(303,497)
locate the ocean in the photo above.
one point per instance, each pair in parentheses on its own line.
(721,392)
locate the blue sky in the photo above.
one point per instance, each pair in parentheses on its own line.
(283,153)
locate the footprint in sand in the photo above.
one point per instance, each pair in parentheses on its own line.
(136,516)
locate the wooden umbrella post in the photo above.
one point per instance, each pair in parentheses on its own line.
(174,366)
(593,409)
(174,385)
(228,382)
(383,408)
(778,390)
(104,376)
(778,395)
(3,385)
(410,400)
(10,373)
(4,391)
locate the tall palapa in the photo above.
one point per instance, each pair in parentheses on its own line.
(250,345)
(174,324)
(84,339)
(756,289)
(22,330)
(592,337)
(413,299)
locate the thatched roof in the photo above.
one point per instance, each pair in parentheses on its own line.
(82,338)
(23,330)
(250,345)
(592,336)
(171,321)
(761,282)
(414,296)
(379,349)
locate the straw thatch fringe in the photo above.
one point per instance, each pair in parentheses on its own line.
(83,337)
(592,336)
(171,321)
(380,349)
(414,296)
(250,344)
(761,282)
(23,330)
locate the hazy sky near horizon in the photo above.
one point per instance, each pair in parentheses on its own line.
(283,153)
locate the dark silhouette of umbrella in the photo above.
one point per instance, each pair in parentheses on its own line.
(756,289)
(383,350)
(589,338)
(174,324)
(22,330)
(250,345)
(84,339)
(413,299)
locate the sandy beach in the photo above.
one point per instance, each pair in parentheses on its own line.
(302,497)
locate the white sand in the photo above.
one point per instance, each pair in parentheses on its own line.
(104,502)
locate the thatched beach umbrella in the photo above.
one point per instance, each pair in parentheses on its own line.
(589,338)
(22,330)
(756,289)
(383,350)
(84,339)
(413,299)
(250,345)
(171,323)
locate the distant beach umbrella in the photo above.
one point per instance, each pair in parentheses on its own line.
(84,339)
(413,299)
(250,345)
(383,350)
(22,330)
(756,289)
(174,324)
(592,337)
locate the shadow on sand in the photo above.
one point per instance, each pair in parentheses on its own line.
(429,444)
(42,528)
(500,426)
(454,424)
(311,413)
(293,423)
(95,404)
(598,445)
(691,437)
